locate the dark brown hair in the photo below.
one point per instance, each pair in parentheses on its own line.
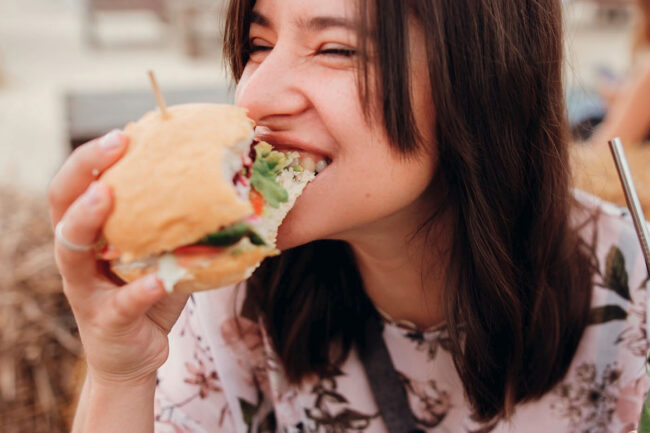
(518,298)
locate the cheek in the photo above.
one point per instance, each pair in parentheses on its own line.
(384,184)
(363,189)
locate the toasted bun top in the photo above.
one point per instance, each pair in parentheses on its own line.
(172,186)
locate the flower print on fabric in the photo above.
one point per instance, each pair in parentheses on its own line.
(245,389)
(206,381)
(428,403)
(331,411)
(244,338)
(630,402)
(589,398)
(200,382)
(429,341)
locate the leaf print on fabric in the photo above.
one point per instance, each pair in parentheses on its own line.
(606,313)
(635,336)
(327,414)
(206,381)
(587,400)
(429,404)
(616,277)
(165,420)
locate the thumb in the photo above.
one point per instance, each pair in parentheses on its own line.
(133,300)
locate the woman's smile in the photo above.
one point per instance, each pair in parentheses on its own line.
(301,86)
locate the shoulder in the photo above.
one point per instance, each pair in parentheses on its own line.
(617,324)
(608,231)
(618,327)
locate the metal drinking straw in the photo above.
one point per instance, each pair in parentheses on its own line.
(631,198)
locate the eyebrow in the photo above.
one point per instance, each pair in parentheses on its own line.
(318,23)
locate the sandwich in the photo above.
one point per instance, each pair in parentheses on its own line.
(197,200)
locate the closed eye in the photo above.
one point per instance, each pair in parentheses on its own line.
(258,48)
(339,51)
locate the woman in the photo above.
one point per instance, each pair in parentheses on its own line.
(437,275)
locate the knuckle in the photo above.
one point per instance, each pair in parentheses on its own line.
(78,307)
(120,305)
(79,159)
(55,196)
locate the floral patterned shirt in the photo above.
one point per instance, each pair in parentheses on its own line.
(223,376)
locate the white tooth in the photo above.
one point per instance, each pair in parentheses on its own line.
(308,164)
(321,165)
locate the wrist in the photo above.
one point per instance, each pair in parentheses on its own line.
(104,380)
(117,404)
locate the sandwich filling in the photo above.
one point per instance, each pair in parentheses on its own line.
(270,180)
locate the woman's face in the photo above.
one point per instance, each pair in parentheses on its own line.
(301,87)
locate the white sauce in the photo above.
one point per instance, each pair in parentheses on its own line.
(170,272)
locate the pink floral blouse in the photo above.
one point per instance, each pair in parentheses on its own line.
(221,379)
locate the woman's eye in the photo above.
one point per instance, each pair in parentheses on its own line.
(258,48)
(255,45)
(337,50)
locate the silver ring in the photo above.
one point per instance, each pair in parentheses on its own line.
(58,234)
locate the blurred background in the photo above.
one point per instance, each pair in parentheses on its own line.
(71,70)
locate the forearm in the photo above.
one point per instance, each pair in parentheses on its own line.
(110,408)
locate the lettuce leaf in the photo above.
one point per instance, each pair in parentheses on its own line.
(268,164)
(231,235)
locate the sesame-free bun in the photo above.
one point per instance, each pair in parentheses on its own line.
(204,272)
(172,187)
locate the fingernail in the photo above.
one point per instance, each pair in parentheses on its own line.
(151,283)
(111,141)
(93,195)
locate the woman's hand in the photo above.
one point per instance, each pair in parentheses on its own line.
(123,328)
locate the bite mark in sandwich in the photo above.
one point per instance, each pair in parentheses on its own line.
(197,200)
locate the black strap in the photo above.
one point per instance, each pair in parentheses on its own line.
(385,384)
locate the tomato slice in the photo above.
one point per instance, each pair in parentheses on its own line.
(257,200)
(108,253)
(190,250)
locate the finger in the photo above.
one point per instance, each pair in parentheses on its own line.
(85,164)
(82,226)
(135,299)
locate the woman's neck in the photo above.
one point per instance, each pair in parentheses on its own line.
(404,275)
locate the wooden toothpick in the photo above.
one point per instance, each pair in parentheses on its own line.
(158,94)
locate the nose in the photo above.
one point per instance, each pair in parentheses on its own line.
(272,88)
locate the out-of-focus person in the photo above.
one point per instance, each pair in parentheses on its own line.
(628,111)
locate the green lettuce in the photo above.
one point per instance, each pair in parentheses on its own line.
(268,164)
(231,235)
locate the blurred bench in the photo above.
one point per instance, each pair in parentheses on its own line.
(89,115)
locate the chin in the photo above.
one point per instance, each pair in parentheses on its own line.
(290,233)
(302,225)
